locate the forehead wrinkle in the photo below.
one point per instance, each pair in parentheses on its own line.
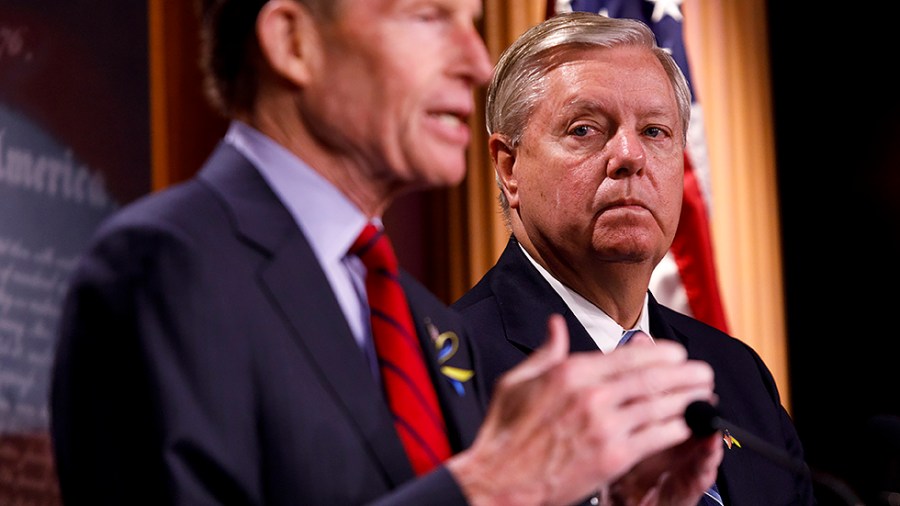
(575,75)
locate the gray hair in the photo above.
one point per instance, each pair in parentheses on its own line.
(515,87)
(516,84)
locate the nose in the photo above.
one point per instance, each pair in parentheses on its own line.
(626,154)
(477,66)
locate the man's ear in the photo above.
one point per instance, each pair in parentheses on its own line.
(289,40)
(503,155)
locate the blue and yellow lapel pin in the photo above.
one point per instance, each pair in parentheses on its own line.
(447,344)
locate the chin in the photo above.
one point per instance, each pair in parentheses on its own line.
(455,177)
(444,174)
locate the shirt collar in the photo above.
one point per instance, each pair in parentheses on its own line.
(329,220)
(599,325)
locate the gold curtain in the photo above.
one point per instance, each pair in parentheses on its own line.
(727,45)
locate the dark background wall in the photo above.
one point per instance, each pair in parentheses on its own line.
(837,137)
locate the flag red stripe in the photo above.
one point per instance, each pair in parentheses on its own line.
(692,249)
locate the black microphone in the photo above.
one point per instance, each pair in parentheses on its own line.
(703,419)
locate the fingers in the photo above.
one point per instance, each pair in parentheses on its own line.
(652,426)
(587,369)
(684,382)
(681,474)
(695,469)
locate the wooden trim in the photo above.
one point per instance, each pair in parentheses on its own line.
(184,128)
(159,138)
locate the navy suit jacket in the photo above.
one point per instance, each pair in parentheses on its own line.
(204,359)
(506,314)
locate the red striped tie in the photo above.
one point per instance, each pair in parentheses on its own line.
(409,390)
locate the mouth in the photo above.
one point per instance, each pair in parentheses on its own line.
(626,203)
(450,119)
(451,125)
(625,208)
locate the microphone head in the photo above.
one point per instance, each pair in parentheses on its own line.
(701,417)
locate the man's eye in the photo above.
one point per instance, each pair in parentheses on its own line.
(653,132)
(431,14)
(581,130)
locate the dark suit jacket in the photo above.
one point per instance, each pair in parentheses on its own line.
(506,314)
(204,359)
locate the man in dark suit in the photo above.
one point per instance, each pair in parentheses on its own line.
(588,122)
(216,347)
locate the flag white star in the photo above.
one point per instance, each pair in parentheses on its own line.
(563,6)
(662,8)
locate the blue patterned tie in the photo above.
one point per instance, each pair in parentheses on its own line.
(711,497)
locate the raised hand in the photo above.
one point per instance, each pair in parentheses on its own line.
(563,426)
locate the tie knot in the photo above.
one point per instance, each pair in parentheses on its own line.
(374,249)
(633,335)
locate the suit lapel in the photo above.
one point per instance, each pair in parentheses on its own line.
(302,294)
(322,331)
(526,300)
(659,327)
(438,329)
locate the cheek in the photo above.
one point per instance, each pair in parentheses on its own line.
(565,191)
(561,183)
(587,182)
(583,191)
(671,201)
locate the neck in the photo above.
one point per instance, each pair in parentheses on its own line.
(372,189)
(618,288)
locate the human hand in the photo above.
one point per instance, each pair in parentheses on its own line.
(562,426)
(677,476)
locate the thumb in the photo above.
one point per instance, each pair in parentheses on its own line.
(554,350)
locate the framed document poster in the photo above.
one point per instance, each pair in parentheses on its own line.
(74,146)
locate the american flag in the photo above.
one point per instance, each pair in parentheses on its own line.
(685,280)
